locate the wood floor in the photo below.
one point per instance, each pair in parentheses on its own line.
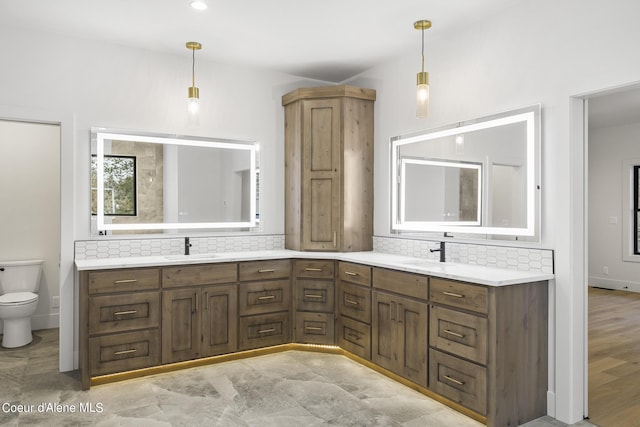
(614,358)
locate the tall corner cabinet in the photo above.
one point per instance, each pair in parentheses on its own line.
(329,168)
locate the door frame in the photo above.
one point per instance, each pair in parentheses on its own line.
(68,354)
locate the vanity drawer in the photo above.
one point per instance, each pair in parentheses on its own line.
(355,337)
(202,274)
(354,273)
(264,297)
(264,270)
(119,313)
(413,285)
(264,330)
(130,279)
(315,328)
(355,302)
(124,352)
(315,295)
(458,294)
(459,333)
(314,268)
(461,381)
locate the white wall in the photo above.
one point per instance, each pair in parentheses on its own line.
(30,206)
(609,148)
(84,83)
(533,52)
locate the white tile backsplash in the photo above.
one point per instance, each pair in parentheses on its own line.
(526,259)
(123,248)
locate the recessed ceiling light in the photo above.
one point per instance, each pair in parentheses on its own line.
(198,5)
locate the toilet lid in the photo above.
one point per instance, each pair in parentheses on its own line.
(18,298)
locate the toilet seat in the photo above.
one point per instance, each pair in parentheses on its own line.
(17,298)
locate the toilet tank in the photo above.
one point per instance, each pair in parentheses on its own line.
(20,276)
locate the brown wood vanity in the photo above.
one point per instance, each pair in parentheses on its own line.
(480,349)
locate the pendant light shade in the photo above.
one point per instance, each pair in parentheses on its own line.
(422,90)
(193,93)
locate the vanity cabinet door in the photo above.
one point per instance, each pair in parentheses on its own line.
(180,325)
(399,336)
(219,320)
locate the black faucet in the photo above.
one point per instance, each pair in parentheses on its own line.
(187,245)
(441,250)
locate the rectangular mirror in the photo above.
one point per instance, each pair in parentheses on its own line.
(479,177)
(144,182)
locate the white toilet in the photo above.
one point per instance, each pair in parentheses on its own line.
(19,282)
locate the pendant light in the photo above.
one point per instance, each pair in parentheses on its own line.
(193,105)
(422,93)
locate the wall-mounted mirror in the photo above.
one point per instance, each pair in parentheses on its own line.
(479,177)
(145,183)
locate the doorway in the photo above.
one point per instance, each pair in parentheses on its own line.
(30,207)
(613,367)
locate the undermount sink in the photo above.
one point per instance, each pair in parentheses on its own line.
(188,257)
(424,263)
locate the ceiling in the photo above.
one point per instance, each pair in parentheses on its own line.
(329,40)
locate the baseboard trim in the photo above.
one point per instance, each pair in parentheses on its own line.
(45,321)
(551,403)
(620,285)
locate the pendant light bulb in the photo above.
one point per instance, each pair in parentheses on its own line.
(193,93)
(422,90)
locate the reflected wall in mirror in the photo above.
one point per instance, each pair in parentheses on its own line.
(478,177)
(158,183)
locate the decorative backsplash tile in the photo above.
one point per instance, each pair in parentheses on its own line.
(528,259)
(122,248)
(513,258)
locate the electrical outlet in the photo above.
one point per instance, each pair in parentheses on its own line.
(605,270)
(55,302)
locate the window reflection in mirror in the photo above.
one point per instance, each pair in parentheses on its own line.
(432,188)
(181,183)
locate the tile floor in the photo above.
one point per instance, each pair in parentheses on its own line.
(293,388)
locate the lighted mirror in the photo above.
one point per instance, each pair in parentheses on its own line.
(158,183)
(479,177)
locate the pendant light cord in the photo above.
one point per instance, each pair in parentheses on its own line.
(193,66)
(423,48)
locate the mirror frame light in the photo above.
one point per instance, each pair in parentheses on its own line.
(531,117)
(102,134)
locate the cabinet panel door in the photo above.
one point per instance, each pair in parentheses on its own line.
(354,337)
(321,154)
(219,320)
(315,295)
(314,328)
(412,325)
(180,325)
(384,341)
(355,302)
(264,297)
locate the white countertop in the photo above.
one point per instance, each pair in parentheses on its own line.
(466,272)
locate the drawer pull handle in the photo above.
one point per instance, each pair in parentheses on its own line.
(312,328)
(118,353)
(312,296)
(123,281)
(312,269)
(266,297)
(122,313)
(453,380)
(350,273)
(352,337)
(451,294)
(266,331)
(455,334)
(348,301)
(266,270)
